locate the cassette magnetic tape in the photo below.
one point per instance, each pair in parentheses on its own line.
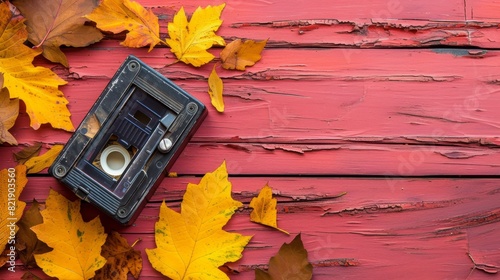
(131,136)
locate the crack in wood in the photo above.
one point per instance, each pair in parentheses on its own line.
(419,32)
(430,117)
(312,197)
(299,149)
(393,207)
(464,154)
(475,219)
(345,262)
(374,208)
(488,268)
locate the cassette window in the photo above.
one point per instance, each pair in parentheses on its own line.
(143,118)
(110,158)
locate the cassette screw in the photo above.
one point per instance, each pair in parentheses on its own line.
(165,145)
(133,66)
(122,212)
(60,171)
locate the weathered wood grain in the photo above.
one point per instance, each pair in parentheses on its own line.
(432,224)
(320,95)
(376,123)
(380,23)
(337,160)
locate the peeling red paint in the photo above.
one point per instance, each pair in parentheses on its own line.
(375,122)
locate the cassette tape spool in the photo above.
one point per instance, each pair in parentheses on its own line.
(129,139)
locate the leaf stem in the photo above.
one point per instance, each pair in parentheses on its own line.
(137,241)
(51,27)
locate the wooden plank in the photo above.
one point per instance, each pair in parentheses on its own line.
(239,10)
(481,10)
(331,160)
(378,23)
(316,9)
(431,224)
(444,97)
(364,117)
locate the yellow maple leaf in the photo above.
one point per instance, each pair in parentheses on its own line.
(12,182)
(38,86)
(264,208)
(39,163)
(215,89)
(189,41)
(192,244)
(119,15)
(76,244)
(239,54)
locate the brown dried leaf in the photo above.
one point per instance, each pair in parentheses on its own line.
(121,259)
(28,152)
(27,241)
(238,54)
(28,275)
(290,263)
(39,163)
(3,256)
(52,24)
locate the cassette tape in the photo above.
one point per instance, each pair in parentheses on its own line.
(129,139)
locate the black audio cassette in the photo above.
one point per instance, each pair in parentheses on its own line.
(128,141)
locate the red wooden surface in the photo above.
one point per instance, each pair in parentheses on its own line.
(394,103)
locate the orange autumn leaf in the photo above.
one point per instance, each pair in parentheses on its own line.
(189,41)
(239,54)
(12,182)
(76,244)
(289,263)
(119,15)
(39,163)
(52,24)
(215,89)
(264,209)
(9,109)
(121,259)
(192,244)
(37,87)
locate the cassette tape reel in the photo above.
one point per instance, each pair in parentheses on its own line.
(131,136)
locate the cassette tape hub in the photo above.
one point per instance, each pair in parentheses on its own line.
(129,139)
